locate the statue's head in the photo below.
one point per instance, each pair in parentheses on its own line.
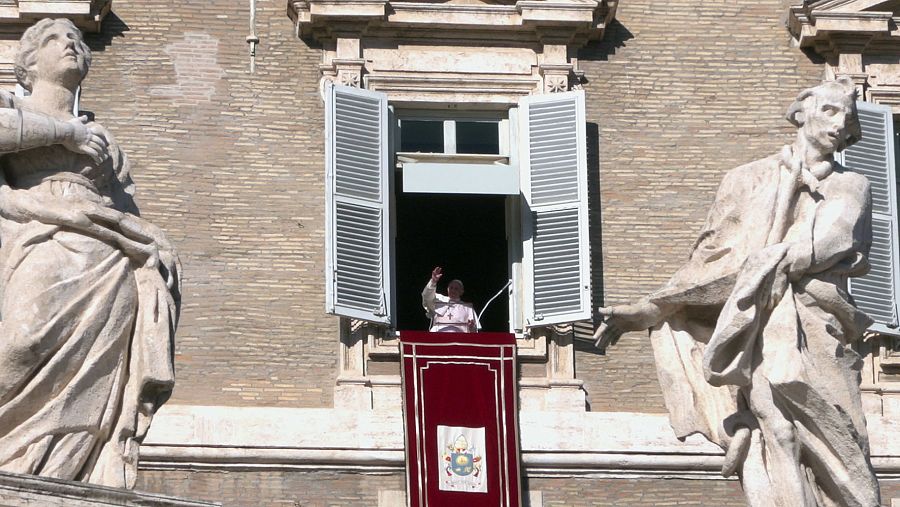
(826,115)
(52,49)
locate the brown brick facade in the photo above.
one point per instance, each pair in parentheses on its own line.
(230,164)
(321,489)
(273,489)
(328,489)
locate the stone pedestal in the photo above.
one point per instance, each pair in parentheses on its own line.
(27,490)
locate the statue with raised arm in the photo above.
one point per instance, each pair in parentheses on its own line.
(89,291)
(752,336)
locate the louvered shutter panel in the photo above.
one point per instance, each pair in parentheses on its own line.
(873,156)
(555,221)
(358,243)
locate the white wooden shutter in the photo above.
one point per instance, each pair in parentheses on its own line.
(555,222)
(357,236)
(873,156)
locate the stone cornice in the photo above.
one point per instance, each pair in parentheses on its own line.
(86,14)
(845,5)
(815,24)
(581,20)
(452,52)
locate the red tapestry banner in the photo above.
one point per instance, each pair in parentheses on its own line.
(460,415)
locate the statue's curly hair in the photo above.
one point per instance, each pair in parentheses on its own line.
(31,39)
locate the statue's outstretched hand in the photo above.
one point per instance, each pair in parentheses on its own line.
(618,320)
(85,139)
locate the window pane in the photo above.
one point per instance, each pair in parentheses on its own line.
(478,137)
(422,136)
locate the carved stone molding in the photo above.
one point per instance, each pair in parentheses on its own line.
(86,14)
(577,20)
(452,52)
(844,33)
(349,71)
(556,77)
(818,24)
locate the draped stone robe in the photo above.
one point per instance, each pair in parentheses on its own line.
(744,351)
(86,336)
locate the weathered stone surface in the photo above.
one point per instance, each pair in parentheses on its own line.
(29,491)
(91,291)
(752,336)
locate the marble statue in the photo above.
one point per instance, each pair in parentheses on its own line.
(752,336)
(89,291)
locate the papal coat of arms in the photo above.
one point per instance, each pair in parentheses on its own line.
(462,459)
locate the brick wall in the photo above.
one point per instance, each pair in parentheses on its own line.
(231,166)
(321,488)
(569,492)
(272,488)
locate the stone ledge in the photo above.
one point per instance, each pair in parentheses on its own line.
(27,490)
(573,20)
(813,25)
(553,444)
(86,14)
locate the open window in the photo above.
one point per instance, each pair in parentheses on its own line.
(874,156)
(501,193)
(429,134)
(471,152)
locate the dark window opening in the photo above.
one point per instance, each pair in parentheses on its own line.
(464,234)
(482,137)
(422,136)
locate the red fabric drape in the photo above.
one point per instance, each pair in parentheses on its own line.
(453,383)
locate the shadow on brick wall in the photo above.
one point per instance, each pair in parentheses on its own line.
(584,330)
(614,38)
(113,27)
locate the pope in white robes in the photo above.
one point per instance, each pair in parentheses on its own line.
(448,313)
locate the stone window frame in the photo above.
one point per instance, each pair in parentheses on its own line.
(361,47)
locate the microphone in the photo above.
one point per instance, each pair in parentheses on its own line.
(492,299)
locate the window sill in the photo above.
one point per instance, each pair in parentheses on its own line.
(528,348)
(452,158)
